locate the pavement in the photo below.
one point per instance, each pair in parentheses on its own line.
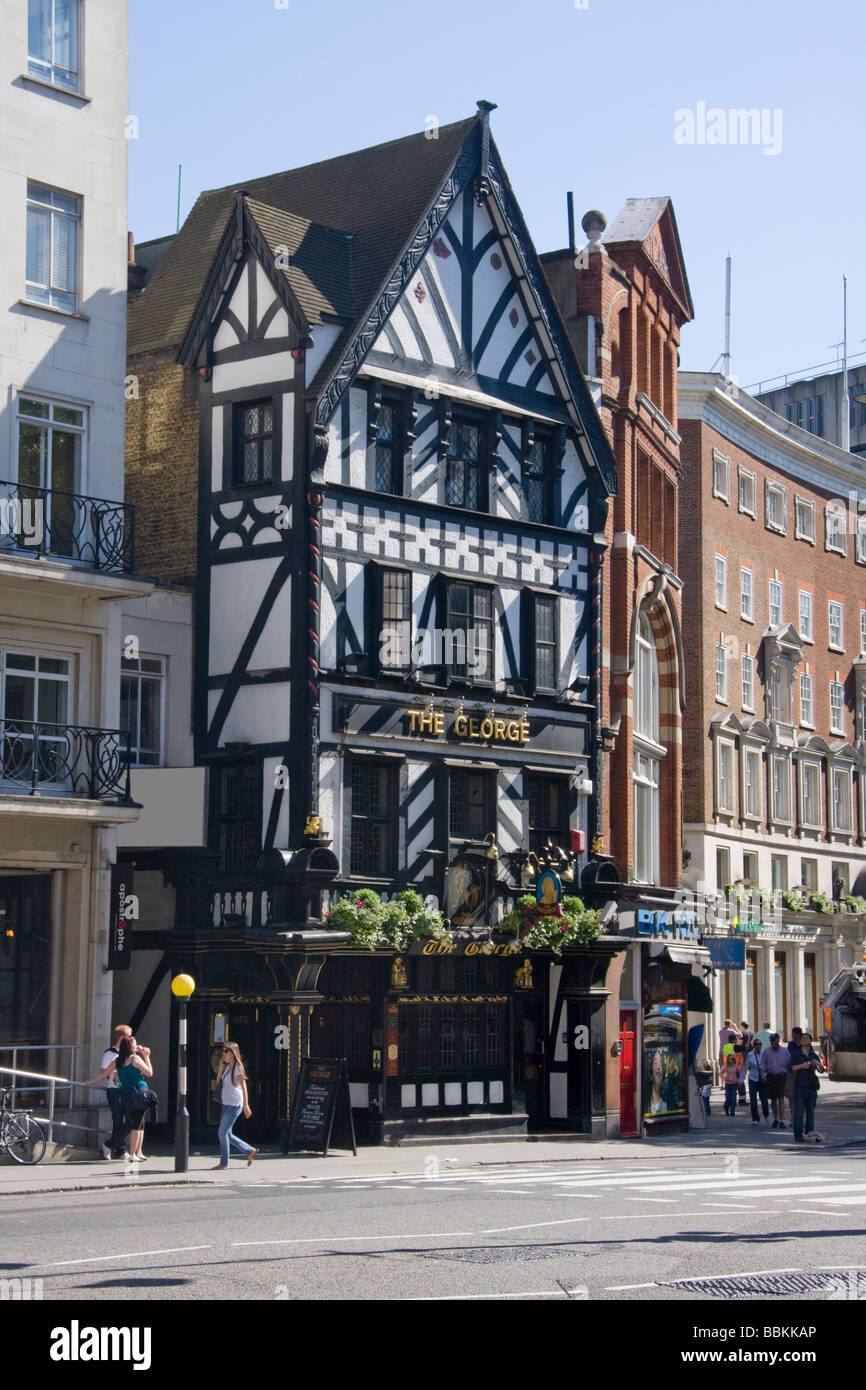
(840,1116)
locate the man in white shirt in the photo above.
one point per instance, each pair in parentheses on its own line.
(116,1146)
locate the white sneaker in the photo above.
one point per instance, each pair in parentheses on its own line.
(106,1151)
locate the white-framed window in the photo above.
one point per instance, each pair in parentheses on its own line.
(647,756)
(807,700)
(750,868)
(747,594)
(752,783)
(863,631)
(804,519)
(721,582)
(50,445)
(721,672)
(748,682)
(721,476)
(781,788)
(837,707)
(142,708)
(836,626)
(810,794)
(776,507)
(747,490)
(861,540)
(806,622)
(723,866)
(776,603)
(53,220)
(840,785)
(809,874)
(779,691)
(725,782)
(36,696)
(53,42)
(779,872)
(834,532)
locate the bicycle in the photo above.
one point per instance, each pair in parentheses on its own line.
(20,1135)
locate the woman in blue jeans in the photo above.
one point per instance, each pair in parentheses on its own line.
(231,1084)
(805,1066)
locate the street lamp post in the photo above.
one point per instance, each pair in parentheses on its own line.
(182,987)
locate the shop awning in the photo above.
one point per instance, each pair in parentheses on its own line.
(700,1001)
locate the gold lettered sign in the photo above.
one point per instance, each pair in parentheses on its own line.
(469,728)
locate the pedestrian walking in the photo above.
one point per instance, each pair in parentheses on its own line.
(743,1047)
(775,1066)
(764,1034)
(731,1071)
(805,1069)
(133,1070)
(756,1082)
(794,1052)
(231,1085)
(116,1146)
(728,1035)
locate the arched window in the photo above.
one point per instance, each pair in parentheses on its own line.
(648,753)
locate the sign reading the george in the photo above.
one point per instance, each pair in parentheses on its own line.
(492,728)
(322,1107)
(120,912)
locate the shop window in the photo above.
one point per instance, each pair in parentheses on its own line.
(374,819)
(235,815)
(452,1037)
(548,812)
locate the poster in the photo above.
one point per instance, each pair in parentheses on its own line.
(664,1091)
(466,893)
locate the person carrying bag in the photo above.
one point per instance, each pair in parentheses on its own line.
(231,1088)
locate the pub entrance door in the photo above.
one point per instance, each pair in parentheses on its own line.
(253,1027)
(628,1125)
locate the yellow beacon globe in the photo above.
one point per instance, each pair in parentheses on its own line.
(182,986)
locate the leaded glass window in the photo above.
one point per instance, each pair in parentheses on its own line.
(463,466)
(254,450)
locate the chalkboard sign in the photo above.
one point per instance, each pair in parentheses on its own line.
(322,1109)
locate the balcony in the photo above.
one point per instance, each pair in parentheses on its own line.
(64,760)
(88,531)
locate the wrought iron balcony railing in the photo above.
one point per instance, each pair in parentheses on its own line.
(44,521)
(64,760)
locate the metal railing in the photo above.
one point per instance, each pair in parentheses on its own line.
(47,521)
(65,759)
(64,1083)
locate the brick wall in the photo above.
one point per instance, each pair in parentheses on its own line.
(162,432)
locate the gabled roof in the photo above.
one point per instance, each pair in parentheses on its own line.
(319,262)
(378,195)
(634,225)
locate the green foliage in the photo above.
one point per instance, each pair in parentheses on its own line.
(792,900)
(372,923)
(819,902)
(855,903)
(572,924)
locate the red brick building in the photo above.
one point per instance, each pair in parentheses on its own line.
(773,560)
(625,298)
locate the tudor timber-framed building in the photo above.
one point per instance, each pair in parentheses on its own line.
(359,370)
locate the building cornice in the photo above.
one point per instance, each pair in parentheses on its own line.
(759,431)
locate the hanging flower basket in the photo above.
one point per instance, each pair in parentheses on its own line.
(570,924)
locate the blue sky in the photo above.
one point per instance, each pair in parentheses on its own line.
(587,99)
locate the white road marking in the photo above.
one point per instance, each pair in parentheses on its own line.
(651,1199)
(414,1235)
(808,1211)
(841,1201)
(135,1255)
(740,1184)
(728,1206)
(477,1297)
(617,1288)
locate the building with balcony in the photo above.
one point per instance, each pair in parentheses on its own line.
(773,556)
(67,560)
